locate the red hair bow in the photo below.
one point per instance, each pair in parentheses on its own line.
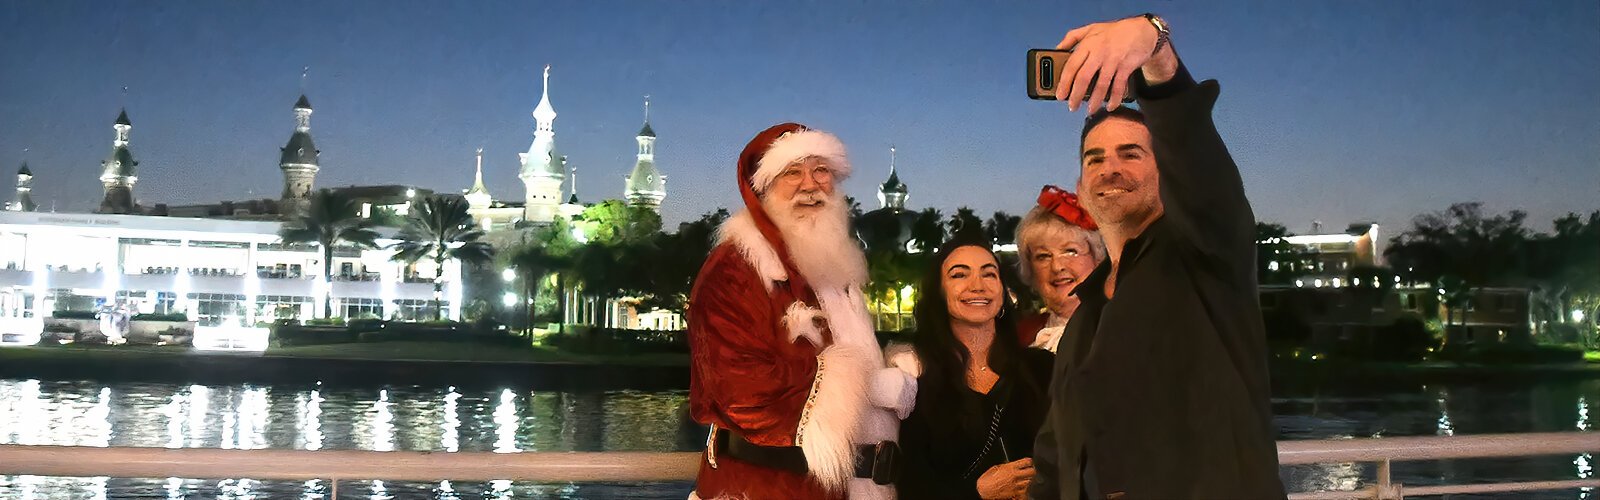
(1065,205)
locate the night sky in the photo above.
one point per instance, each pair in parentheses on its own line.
(1336,110)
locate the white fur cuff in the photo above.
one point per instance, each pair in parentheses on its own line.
(794,146)
(894,390)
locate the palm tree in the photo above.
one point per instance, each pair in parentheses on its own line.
(439,229)
(331,219)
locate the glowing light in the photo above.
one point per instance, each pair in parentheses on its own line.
(1300,283)
(230,338)
(1354,282)
(1577,316)
(509,299)
(411,193)
(1336,283)
(1317,283)
(508,275)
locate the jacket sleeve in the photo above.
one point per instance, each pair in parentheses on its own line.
(738,380)
(1046,466)
(1201,189)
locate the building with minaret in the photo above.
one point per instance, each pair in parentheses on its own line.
(542,168)
(24,201)
(572,208)
(478,196)
(117,172)
(299,162)
(893,193)
(645,186)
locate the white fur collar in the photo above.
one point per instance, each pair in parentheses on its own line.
(742,232)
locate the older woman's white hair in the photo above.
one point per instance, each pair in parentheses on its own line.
(1040,222)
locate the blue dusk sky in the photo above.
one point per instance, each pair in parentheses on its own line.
(1336,110)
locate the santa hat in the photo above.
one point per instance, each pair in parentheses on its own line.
(771,151)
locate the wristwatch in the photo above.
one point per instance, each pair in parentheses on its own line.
(1163,33)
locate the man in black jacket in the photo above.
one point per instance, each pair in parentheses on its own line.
(1160,385)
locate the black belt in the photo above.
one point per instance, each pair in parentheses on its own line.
(878,462)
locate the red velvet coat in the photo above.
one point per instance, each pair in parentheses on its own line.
(746,376)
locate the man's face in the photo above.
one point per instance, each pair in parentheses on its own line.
(804,188)
(1119,184)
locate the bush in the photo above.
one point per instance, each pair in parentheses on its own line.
(620,341)
(365,325)
(74,315)
(326,322)
(161,317)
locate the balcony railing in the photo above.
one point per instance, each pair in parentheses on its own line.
(301,465)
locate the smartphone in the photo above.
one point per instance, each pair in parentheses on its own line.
(1044,73)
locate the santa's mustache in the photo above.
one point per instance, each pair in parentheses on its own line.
(808,199)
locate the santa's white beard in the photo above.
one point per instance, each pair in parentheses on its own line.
(819,241)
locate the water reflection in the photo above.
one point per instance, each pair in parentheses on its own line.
(317,417)
(450,440)
(505,423)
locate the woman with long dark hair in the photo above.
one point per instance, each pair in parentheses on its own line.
(981,393)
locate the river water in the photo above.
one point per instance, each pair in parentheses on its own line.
(512,420)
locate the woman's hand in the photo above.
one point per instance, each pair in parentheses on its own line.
(1006,481)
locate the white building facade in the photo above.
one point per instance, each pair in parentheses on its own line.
(218,272)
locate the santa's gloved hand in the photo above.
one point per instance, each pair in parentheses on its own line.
(893,389)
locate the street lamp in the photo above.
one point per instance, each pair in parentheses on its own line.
(509,299)
(508,275)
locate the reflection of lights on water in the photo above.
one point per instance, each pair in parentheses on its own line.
(309,416)
(252,411)
(500,488)
(26,485)
(505,423)
(25,415)
(382,424)
(313,490)
(199,398)
(1445,427)
(1585,468)
(174,413)
(174,488)
(451,440)
(445,490)
(97,487)
(1583,414)
(98,419)
(379,492)
(239,489)
(1341,477)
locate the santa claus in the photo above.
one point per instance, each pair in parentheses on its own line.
(785,366)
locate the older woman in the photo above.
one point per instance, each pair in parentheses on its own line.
(981,395)
(1057,246)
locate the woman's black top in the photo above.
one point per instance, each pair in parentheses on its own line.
(948,444)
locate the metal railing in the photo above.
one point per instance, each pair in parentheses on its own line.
(332,465)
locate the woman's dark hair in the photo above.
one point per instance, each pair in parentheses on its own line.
(944,358)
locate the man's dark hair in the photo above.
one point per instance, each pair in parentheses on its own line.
(1101,116)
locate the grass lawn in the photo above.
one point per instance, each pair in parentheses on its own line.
(415,351)
(1592,356)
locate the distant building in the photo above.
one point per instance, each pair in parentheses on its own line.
(1326,259)
(117,172)
(24,199)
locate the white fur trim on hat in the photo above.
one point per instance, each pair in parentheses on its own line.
(796,146)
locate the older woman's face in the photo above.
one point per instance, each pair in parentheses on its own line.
(1059,260)
(971,284)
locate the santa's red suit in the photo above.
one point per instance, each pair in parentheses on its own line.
(789,375)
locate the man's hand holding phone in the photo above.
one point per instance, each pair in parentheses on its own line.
(1103,56)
